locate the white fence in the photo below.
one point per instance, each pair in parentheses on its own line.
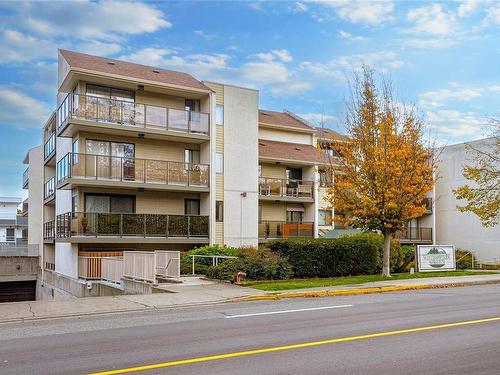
(112,269)
(101,268)
(148,265)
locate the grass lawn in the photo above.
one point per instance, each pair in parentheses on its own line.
(276,285)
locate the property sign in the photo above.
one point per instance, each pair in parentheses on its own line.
(436,258)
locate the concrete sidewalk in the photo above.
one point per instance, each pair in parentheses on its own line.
(199,292)
(186,294)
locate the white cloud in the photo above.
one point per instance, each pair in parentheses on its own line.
(204,35)
(494,88)
(364,12)
(299,7)
(342,66)
(438,97)
(493,14)
(290,88)
(89,19)
(467,8)
(265,72)
(280,54)
(18,47)
(431,20)
(256,5)
(428,42)
(20,110)
(351,38)
(317,119)
(453,123)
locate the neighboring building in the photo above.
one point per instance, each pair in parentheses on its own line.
(462,229)
(137,158)
(13,227)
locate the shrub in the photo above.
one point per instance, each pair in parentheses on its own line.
(464,259)
(358,254)
(258,264)
(202,264)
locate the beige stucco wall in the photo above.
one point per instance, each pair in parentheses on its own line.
(35,199)
(287,135)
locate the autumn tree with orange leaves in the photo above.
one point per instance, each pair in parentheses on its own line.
(385,170)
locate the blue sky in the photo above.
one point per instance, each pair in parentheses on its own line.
(441,56)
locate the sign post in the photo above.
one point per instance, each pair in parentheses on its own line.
(436,258)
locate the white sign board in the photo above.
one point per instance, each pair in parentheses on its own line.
(436,258)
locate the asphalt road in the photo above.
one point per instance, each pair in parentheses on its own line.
(120,341)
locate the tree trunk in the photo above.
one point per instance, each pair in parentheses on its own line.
(386,262)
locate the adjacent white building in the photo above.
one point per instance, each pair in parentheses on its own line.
(464,230)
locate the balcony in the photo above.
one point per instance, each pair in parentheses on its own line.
(286,189)
(86,113)
(115,171)
(49,231)
(415,235)
(269,230)
(131,228)
(26,175)
(24,209)
(49,191)
(49,149)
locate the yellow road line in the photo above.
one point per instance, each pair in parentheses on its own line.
(290,347)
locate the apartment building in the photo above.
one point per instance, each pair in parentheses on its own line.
(137,159)
(13,227)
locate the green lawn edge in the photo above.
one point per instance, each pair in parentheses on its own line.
(278,285)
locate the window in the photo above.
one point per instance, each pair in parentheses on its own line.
(325,217)
(75,151)
(10,235)
(192,156)
(260,170)
(219,163)
(219,211)
(121,204)
(324,179)
(294,216)
(294,174)
(192,206)
(74,202)
(219,114)
(110,93)
(192,105)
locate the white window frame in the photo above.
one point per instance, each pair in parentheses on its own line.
(219,163)
(219,114)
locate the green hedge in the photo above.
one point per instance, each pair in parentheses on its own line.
(203,264)
(258,264)
(359,254)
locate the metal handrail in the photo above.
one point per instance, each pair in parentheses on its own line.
(215,259)
(127,169)
(50,188)
(50,145)
(126,113)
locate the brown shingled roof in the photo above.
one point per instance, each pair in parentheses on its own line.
(282,119)
(127,69)
(325,133)
(289,151)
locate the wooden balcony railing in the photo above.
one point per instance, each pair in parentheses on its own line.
(75,224)
(123,169)
(49,230)
(131,114)
(282,229)
(414,234)
(101,268)
(279,187)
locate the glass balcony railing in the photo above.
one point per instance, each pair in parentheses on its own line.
(73,224)
(131,114)
(50,146)
(26,175)
(278,187)
(123,169)
(49,188)
(283,229)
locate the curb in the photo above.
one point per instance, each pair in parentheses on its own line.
(370,290)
